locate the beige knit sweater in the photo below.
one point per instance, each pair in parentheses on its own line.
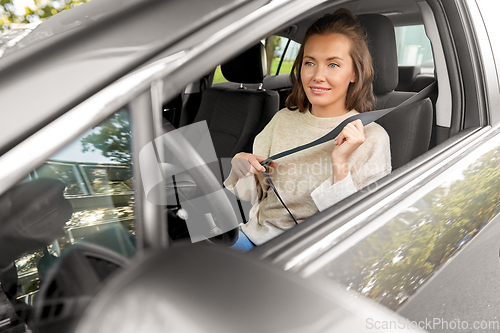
(304,179)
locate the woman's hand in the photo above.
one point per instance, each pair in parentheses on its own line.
(351,137)
(245,164)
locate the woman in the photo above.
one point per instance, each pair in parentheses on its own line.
(332,80)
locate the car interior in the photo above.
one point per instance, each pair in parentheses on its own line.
(249,97)
(240,106)
(236,108)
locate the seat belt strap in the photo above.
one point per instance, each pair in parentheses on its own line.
(270,182)
(366,118)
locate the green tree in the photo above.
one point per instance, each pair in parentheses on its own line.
(112,137)
(272,42)
(393,262)
(12,16)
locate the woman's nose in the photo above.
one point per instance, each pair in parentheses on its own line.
(319,75)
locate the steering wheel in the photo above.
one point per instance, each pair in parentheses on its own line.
(209,186)
(71,283)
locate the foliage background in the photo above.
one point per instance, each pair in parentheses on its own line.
(14,13)
(393,262)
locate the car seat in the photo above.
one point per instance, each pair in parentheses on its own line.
(406,77)
(410,127)
(235,114)
(412,79)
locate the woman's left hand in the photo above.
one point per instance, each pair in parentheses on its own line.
(351,137)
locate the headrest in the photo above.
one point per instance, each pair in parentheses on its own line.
(408,73)
(382,44)
(248,67)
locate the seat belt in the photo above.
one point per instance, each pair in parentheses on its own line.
(366,118)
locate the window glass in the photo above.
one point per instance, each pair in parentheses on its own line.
(96,175)
(414,48)
(279,52)
(108,179)
(67,172)
(390,259)
(275,50)
(218,77)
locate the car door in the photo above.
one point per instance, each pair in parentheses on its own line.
(89,183)
(425,245)
(102,196)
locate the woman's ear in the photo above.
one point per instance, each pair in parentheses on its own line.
(353,78)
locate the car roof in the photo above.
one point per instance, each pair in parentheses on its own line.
(48,69)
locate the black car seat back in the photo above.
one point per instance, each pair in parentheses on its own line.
(406,77)
(410,128)
(235,115)
(412,79)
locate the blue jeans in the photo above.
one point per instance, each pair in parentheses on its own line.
(243,244)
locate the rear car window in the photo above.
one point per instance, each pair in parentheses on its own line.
(414,48)
(285,50)
(281,53)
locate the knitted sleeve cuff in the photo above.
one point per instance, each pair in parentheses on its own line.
(327,195)
(244,188)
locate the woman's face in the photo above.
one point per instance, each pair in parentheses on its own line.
(327,69)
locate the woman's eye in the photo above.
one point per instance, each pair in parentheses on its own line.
(333,65)
(308,63)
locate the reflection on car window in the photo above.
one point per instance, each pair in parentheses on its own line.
(96,170)
(67,172)
(394,261)
(414,48)
(108,179)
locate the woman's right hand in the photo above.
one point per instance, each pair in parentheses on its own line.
(245,164)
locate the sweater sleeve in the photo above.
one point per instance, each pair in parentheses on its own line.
(326,194)
(244,188)
(372,162)
(252,188)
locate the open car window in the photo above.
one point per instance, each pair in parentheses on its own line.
(413,50)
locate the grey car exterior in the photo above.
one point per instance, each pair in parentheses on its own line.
(423,242)
(429,249)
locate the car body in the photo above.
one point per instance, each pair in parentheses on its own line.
(422,241)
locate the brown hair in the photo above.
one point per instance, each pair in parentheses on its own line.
(360,93)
